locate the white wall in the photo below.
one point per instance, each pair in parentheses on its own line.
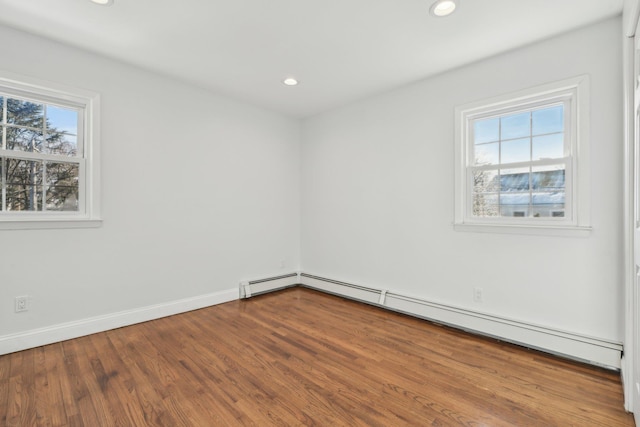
(198,192)
(378,188)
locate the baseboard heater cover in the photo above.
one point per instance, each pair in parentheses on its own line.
(261,286)
(596,351)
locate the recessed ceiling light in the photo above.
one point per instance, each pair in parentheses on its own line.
(103,2)
(290,81)
(443,8)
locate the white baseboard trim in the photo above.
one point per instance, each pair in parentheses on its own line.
(596,351)
(261,286)
(65,331)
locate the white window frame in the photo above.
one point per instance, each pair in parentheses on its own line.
(88,214)
(574,94)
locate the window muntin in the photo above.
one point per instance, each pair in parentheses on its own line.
(522,161)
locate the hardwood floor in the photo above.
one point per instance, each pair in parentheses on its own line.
(299,357)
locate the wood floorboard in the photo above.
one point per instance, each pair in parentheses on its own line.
(300,357)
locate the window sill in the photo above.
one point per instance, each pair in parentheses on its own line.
(536,230)
(48,223)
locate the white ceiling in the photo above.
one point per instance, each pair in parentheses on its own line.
(340,50)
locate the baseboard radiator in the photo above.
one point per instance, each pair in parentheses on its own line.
(596,351)
(261,286)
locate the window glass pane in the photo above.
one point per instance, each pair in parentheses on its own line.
(515,204)
(548,146)
(62,186)
(515,150)
(25,113)
(22,139)
(487,130)
(62,131)
(548,120)
(485,181)
(1,109)
(62,144)
(485,204)
(512,180)
(548,204)
(24,185)
(515,126)
(487,154)
(548,178)
(62,119)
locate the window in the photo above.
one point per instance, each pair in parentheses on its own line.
(522,161)
(48,155)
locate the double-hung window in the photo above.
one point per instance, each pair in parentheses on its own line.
(522,161)
(48,156)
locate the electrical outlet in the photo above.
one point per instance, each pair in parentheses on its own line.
(477,294)
(22,304)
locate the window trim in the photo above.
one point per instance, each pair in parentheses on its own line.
(45,91)
(577,160)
